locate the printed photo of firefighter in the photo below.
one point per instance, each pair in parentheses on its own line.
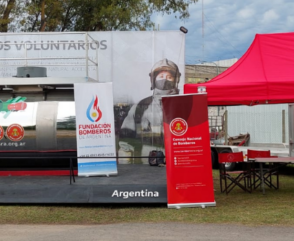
(141,130)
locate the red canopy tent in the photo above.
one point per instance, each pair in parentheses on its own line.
(263,75)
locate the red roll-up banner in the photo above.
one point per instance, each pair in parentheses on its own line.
(187,151)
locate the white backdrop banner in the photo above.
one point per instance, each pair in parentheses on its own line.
(124,58)
(95,129)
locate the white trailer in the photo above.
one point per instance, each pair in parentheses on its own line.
(62,59)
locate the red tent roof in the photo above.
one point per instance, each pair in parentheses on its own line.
(264,74)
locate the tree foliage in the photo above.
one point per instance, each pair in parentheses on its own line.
(86,15)
(6,8)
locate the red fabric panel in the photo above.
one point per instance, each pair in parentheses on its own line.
(252,154)
(230,157)
(38,173)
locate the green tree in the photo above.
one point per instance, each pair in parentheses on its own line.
(42,15)
(92,15)
(6,8)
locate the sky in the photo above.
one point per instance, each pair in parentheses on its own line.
(224,29)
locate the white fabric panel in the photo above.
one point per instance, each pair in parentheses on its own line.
(262,122)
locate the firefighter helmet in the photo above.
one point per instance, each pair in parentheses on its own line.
(164,65)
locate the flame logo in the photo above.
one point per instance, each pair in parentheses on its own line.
(94,113)
(178,127)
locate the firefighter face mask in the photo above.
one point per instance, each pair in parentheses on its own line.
(165,81)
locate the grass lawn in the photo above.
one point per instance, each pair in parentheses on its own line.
(276,207)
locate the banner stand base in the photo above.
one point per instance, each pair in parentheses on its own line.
(191,205)
(98,175)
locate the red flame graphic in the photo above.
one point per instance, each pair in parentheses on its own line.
(96,107)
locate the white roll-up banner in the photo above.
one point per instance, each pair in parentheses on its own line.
(95,129)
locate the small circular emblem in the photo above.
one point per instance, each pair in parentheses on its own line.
(178,126)
(15,132)
(231,157)
(1,132)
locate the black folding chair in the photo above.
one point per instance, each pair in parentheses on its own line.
(231,179)
(268,173)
